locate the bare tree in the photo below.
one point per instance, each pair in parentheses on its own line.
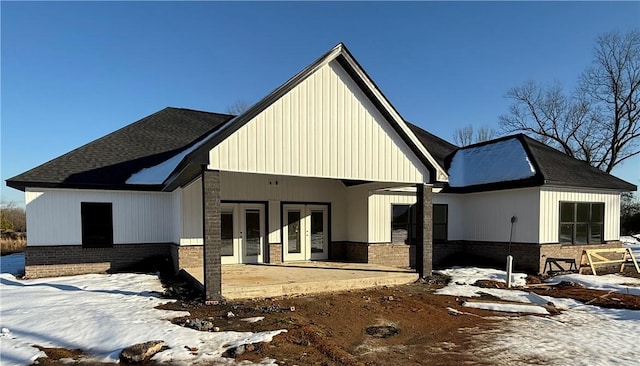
(238,107)
(485,133)
(12,217)
(465,136)
(598,123)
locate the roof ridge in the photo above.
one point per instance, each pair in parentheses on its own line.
(200,111)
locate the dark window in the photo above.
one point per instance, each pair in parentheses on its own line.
(581,222)
(440,221)
(400,221)
(97,225)
(226,233)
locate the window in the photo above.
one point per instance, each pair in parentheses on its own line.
(440,220)
(403,223)
(97,225)
(400,222)
(581,222)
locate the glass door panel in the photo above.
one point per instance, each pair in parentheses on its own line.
(318,235)
(226,234)
(317,232)
(253,234)
(293,235)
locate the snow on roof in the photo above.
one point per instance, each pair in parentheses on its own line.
(500,161)
(158,173)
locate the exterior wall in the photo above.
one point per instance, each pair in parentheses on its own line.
(455,228)
(357,217)
(66,260)
(277,189)
(391,254)
(191,214)
(486,216)
(324,127)
(550,199)
(526,256)
(388,254)
(53,216)
(380,213)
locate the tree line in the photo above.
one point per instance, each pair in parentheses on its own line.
(12,218)
(597,122)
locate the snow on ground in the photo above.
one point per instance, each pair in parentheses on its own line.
(610,282)
(580,335)
(632,242)
(100,314)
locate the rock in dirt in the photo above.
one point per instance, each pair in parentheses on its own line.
(141,351)
(200,324)
(382,331)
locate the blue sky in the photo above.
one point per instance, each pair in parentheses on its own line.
(72,72)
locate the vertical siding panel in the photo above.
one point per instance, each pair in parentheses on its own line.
(55,219)
(550,206)
(325,126)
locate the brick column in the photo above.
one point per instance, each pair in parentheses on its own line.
(211,230)
(424,228)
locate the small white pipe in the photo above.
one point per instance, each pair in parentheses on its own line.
(509,270)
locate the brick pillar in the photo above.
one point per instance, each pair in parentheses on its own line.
(212,240)
(424,228)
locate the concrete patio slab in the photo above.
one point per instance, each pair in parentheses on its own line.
(243,281)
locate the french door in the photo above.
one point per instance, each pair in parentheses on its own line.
(242,233)
(305,232)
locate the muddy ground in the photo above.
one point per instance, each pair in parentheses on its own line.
(402,325)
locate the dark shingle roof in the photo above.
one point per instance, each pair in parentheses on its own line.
(438,147)
(552,167)
(558,168)
(110,160)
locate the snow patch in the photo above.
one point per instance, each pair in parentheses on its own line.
(500,161)
(610,282)
(100,314)
(507,308)
(598,335)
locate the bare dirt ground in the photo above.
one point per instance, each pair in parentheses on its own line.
(402,325)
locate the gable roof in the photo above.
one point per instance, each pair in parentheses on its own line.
(533,164)
(108,161)
(439,148)
(341,54)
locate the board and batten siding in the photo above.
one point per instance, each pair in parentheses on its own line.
(380,206)
(324,127)
(191,214)
(454,213)
(53,216)
(550,199)
(486,216)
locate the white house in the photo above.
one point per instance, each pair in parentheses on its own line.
(323,168)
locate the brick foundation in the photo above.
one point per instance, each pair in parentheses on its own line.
(550,251)
(394,255)
(390,254)
(527,257)
(275,253)
(67,260)
(348,251)
(188,256)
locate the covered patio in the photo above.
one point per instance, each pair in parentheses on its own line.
(243,281)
